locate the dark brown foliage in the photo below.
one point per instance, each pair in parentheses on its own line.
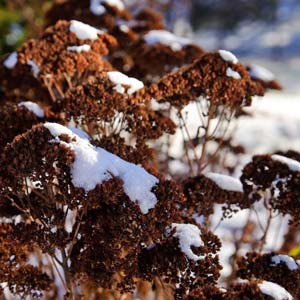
(21,278)
(57,66)
(264,84)
(262,267)
(202,193)
(206,77)
(65,11)
(266,175)
(164,259)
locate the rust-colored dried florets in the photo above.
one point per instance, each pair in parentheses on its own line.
(46,66)
(147,19)
(269,176)
(206,77)
(20,277)
(110,224)
(262,267)
(164,259)
(106,112)
(74,10)
(15,120)
(202,193)
(264,83)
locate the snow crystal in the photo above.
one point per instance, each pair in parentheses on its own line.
(11,60)
(225,182)
(232,73)
(53,229)
(228,56)
(124,28)
(98,9)
(79,49)
(12,257)
(293,165)
(33,107)
(259,72)
(188,235)
(166,38)
(287,260)
(84,31)
(34,67)
(120,79)
(274,290)
(94,165)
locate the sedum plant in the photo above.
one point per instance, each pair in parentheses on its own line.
(91,204)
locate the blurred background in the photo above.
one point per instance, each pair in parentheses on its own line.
(266,32)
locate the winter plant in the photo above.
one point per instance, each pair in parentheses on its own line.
(107,191)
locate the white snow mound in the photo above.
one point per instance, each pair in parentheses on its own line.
(188,235)
(94,165)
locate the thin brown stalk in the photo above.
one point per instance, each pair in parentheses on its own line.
(264,237)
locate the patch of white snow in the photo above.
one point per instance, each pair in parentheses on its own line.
(225,182)
(79,49)
(97,8)
(274,290)
(228,56)
(166,38)
(232,73)
(293,165)
(33,107)
(94,165)
(287,260)
(120,79)
(84,31)
(259,72)
(11,60)
(188,235)
(34,67)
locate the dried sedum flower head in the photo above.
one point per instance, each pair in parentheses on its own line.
(50,62)
(203,191)
(276,176)
(206,77)
(280,269)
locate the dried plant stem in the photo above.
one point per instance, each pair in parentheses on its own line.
(143,289)
(59,90)
(264,237)
(161,292)
(205,140)
(237,244)
(187,153)
(49,88)
(188,136)
(61,277)
(218,147)
(75,234)
(69,82)
(68,279)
